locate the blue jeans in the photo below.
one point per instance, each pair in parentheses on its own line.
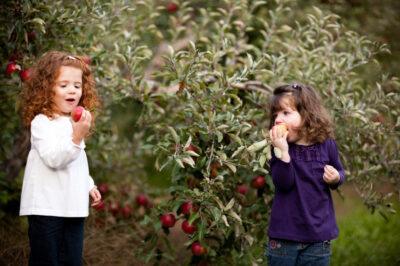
(55,240)
(285,253)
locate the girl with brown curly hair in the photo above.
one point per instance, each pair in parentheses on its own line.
(304,168)
(57,184)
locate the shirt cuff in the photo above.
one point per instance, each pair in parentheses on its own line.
(81,145)
(341,180)
(91,183)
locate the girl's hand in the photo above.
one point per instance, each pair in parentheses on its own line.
(279,139)
(96,196)
(331,175)
(81,128)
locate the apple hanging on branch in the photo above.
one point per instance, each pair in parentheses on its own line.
(198,249)
(167,220)
(11,68)
(25,74)
(188,228)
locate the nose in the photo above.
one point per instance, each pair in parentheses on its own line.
(71,90)
(279,119)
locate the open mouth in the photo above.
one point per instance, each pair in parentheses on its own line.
(71,100)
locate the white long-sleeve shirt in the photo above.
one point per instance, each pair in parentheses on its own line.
(56,180)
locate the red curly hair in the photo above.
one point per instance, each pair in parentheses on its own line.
(316,124)
(38,93)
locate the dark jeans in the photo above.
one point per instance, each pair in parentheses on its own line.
(285,253)
(55,240)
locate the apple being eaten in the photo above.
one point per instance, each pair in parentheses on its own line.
(281,129)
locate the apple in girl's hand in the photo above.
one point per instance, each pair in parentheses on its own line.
(281,129)
(76,114)
(100,207)
(103,188)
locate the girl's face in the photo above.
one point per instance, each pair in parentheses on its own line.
(67,90)
(289,115)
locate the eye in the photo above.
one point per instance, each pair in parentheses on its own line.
(286,112)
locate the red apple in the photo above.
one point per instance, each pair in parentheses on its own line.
(242,189)
(32,35)
(168,220)
(172,7)
(186,208)
(100,207)
(192,148)
(258,182)
(76,114)
(198,249)
(142,200)
(215,166)
(103,188)
(188,228)
(127,211)
(114,208)
(11,68)
(25,74)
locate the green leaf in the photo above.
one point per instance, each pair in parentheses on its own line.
(229,205)
(174,134)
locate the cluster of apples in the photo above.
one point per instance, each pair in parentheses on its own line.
(12,67)
(258,182)
(168,220)
(117,209)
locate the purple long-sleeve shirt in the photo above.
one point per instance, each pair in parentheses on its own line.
(302,209)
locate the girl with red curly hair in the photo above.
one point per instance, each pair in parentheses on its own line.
(57,184)
(304,167)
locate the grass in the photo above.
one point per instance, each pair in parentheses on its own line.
(367,239)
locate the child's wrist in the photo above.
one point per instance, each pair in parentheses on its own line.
(76,140)
(285,157)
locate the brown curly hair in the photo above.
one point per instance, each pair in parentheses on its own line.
(37,94)
(316,124)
